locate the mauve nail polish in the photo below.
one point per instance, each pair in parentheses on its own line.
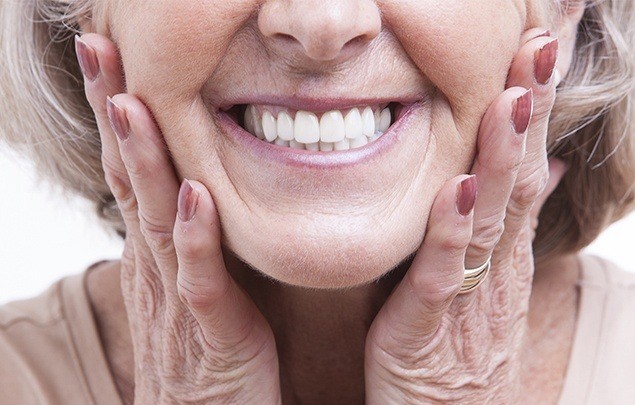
(522,111)
(187,201)
(545,62)
(87,59)
(466,196)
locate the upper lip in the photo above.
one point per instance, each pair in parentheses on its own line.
(317,104)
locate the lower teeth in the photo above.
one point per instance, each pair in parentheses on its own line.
(345,144)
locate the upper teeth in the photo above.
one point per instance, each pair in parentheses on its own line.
(334,130)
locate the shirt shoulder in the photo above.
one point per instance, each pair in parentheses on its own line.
(602,360)
(50,349)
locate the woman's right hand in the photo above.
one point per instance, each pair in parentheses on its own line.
(197,336)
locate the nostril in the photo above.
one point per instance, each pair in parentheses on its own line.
(359,40)
(285,37)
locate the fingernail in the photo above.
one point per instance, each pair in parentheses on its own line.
(466,196)
(522,111)
(87,59)
(545,62)
(188,201)
(118,119)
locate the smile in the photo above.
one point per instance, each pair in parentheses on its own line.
(319,133)
(329,131)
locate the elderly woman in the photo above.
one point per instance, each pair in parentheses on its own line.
(328,201)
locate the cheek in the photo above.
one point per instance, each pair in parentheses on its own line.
(171,47)
(465,47)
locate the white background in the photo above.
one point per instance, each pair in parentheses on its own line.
(44,236)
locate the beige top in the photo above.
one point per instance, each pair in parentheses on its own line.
(50,352)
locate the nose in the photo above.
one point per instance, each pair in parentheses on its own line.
(322,30)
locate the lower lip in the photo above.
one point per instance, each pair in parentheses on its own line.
(304,158)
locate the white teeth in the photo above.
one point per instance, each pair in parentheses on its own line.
(285,126)
(359,142)
(306,128)
(252,120)
(385,120)
(332,127)
(282,142)
(331,132)
(327,146)
(313,146)
(353,123)
(249,119)
(344,144)
(269,126)
(368,122)
(295,144)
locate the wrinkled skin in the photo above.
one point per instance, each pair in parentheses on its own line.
(191,323)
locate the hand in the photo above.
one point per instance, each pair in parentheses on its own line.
(197,337)
(428,345)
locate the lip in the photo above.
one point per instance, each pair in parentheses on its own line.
(317,105)
(304,158)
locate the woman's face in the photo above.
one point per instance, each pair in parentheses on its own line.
(321,219)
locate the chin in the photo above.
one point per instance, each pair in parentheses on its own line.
(342,260)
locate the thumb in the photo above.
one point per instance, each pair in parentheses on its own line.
(226,315)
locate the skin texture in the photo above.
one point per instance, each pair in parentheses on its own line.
(198,314)
(365,210)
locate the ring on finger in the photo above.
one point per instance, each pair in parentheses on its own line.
(472,278)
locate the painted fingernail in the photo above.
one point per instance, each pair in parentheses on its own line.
(118,119)
(466,196)
(87,59)
(522,111)
(545,61)
(188,201)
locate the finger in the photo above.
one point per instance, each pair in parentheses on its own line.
(541,54)
(225,313)
(501,149)
(153,179)
(99,62)
(413,312)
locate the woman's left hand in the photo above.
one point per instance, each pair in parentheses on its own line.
(430,345)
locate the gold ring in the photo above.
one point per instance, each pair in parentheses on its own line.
(474,277)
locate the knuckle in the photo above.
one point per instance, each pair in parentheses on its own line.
(149,293)
(435,292)
(142,165)
(486,236)
(528,189)
(122,191)
(200,294)
(158,237)
(191,250)
(138,168)
(453,242)
(113,165)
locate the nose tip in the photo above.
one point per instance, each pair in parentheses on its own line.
(322,30)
